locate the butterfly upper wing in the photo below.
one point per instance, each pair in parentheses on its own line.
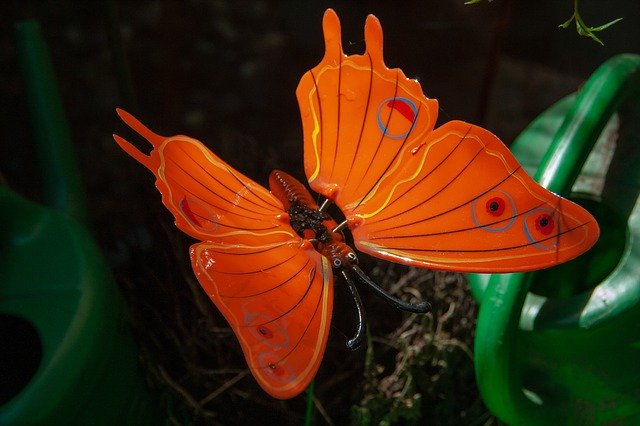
(358,117)
(273,287)
(208,198)
(453,197)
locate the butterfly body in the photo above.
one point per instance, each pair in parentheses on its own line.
(451,197)
(309,221)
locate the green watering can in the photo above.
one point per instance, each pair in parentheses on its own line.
(562,346)
(67,355)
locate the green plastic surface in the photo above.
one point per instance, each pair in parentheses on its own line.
(67,355)
(562,346)
(56,157)
(53,276)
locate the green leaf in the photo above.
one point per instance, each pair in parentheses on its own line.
(582,28)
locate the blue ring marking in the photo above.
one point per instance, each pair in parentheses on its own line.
(279,332)
(554,242)
(383,127)
(487,227)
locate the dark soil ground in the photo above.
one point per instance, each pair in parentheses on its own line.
(225,72)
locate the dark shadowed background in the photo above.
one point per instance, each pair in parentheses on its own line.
(225,72)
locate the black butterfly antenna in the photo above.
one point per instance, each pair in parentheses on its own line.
(417,308)
(352,266)
(355,342)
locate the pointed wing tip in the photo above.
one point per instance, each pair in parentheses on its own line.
(135,124)
(373,38)
(122,142)
(332,34)
(373,21)
(128,147)
(127,117)
(330,14)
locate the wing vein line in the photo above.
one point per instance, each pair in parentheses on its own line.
(452,208)
(219,182)
(497,222)
(315,313)
(335,147)
(218,207)
(364,120)
(394,157)
(485,250)
(269,289)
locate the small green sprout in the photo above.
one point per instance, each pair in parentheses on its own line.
(582,28)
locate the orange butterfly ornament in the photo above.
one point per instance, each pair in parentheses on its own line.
(451,198)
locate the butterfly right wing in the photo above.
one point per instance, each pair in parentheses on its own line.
(450,198)
(272,286)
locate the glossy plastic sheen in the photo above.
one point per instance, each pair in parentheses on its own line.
(62,187)
(452,197)
(572,359)
(273,287)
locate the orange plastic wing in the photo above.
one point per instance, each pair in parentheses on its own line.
(451,198)
(273,287)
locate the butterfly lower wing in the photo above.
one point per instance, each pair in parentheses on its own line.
(416,195)
(272,286)
(461,201)
(278,300)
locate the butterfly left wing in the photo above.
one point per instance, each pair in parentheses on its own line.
(273,287)
(447,198)
(278,300)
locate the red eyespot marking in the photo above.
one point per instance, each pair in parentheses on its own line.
(403,108)
(495,206)
(186,209)
(276,370)
(264,331)
(545,224)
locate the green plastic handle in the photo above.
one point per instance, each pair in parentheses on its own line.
(614,85)
(62,188)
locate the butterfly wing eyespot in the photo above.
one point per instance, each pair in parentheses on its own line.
(396,117)
(494,212)
(451,197)
(495,206)
(545,223)
(541,228)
